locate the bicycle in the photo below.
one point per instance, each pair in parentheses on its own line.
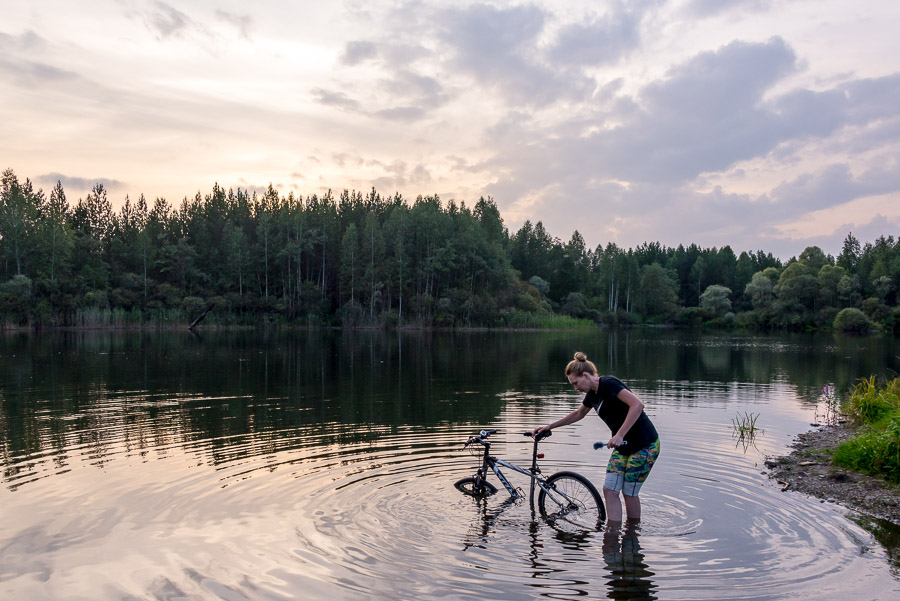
(565,495)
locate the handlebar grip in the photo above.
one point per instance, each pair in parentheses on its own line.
(600,445)
(486,433)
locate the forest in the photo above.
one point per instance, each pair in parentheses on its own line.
(367,260)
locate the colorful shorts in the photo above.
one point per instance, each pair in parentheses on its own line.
(627,473)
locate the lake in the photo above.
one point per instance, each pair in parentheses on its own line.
(320,465)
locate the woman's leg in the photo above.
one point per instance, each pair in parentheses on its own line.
(637,468)
(632,507)
(613,505)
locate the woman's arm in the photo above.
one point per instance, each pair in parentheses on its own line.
(635,408)
(573,417)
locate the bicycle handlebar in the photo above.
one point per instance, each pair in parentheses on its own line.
(480,438)
(540,436)
(486,433)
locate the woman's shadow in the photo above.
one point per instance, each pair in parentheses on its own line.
(628,576)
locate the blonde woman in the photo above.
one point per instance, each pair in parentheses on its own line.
(634,440)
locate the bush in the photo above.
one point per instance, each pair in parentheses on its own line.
(193,307)
(852,320)
(877,450)
(868,404)
(875,310)
(692,317)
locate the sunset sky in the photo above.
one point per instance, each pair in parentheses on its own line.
(762,124)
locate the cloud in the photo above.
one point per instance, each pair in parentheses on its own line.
(704,116)
(336,99)
(242,23)
(357,52)
(16,61)
(603,40)
(711,8)
(401,113)
(634,161)
(79,183)
(498,48)
(167,21)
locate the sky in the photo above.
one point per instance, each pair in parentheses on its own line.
(761,124)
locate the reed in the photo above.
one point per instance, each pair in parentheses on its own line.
(745,425)
(514,318)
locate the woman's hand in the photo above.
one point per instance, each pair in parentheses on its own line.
(615,442)
(540,429)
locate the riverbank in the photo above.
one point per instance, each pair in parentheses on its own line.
(809,469)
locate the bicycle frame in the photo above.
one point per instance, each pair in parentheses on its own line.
(489,461)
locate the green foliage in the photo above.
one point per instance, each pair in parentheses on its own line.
(875,452)
(543,320)
(852,320)
(267,258)
(868,404)
(715,299)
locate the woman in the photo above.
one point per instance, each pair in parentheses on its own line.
(634,438)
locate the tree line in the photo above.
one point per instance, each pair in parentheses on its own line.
(361,260)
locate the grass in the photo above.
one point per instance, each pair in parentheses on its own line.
(876,450)
(745,425)
(745,429)
(514,318)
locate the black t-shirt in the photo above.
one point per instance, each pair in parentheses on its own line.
(613,411)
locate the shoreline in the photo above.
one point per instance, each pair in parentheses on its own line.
(809,469)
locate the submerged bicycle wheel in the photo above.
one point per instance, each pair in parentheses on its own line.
(572,502)
(475,487)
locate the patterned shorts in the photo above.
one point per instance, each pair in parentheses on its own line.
(627,473)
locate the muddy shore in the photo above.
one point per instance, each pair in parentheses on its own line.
(809,469)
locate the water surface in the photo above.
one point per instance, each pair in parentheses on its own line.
(321,465)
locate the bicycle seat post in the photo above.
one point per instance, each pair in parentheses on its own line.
(534,469)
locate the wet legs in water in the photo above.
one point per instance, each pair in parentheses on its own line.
(614,506)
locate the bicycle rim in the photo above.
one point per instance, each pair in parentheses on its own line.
(475,487)
(572,503)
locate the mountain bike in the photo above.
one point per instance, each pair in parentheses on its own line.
(563,496)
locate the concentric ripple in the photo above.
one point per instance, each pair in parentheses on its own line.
(331,510)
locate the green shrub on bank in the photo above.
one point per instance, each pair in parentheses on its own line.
(852,321)
(868,404)
(877,450)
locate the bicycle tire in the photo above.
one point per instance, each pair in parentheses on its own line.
(585,511)
(475,487)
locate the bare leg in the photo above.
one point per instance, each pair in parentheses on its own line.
(613,505)
(632,507)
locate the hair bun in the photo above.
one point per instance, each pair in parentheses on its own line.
(579,356)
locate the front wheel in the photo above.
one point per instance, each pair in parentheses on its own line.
(476,487)
(571,501)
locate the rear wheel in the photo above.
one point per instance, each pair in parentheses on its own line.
(476,487)
(572,503)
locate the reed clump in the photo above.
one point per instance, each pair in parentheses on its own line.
(745,429)
(745,425)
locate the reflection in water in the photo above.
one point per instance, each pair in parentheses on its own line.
(629,576)
(321,465)
(886,533)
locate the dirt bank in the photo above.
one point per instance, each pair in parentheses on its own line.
(809,469)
